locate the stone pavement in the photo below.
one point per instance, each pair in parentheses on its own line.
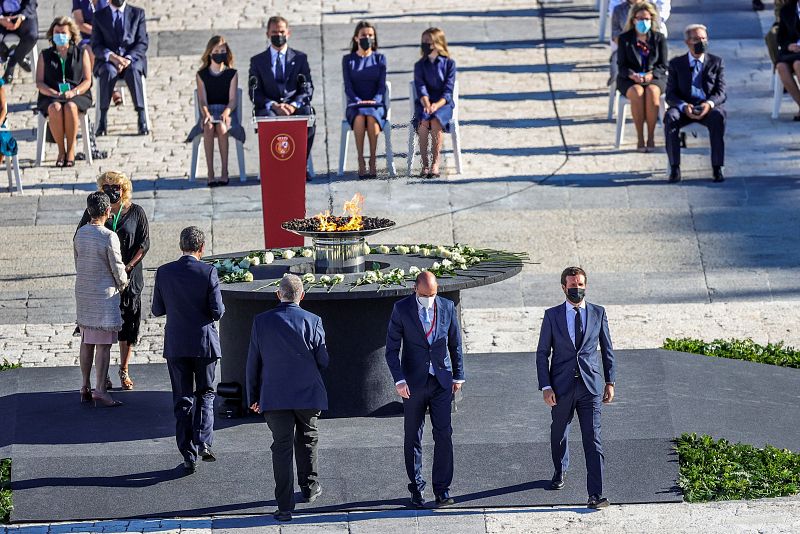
(540,175)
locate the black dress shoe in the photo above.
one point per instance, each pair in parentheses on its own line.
(557,482)
(25,63)
(143,129)
(718,176)
(8,77)
(758,5)
(310,495)
(282,515)
(445,499)
(417,499)
(206,454)
(190,466)
(675,174)
(596,502)
(101,127)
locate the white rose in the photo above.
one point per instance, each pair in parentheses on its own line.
(414,270)
(414,249)
(325,279)
(445,253)
(425,251)
(383,249)
(244,264)
(288,254)
(469,250)
(338,278)
(255,260)
(269,257)
(248,276)
(371,277)
(308,278)
(462,266)
(365,249)
(435,265)
(401,249)
(446,263)
(440,249)
(398,272)
(307,252)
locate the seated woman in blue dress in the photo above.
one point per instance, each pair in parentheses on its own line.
(434,80)
(364,73)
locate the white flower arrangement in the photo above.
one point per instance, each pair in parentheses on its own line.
(288,254)
(308,278)
(446,263)
(383,249)
(254,260)
(425,251)
(414,270)
(307,253)
(269,257)
(248,277)
(325,279)
(365,249)
(414,249)
(401,249)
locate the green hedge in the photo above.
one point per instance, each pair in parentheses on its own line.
(5,490)
(739,349)
(6,365)
(719,470)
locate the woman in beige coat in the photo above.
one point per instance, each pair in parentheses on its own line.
(100,278)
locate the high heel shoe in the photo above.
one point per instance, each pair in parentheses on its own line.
(86,395)
(362,168)
(125,380)
(109,385)
(104,402)
(373,172)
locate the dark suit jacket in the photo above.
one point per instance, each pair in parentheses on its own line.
(788,28)
(134,42)
(267,90)
(187,292)
(556,354)
(27,8)
(287,351)
(629,61)
(679,81)
(445,352)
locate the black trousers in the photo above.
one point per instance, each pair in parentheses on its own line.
(432,395)
(674,120)
(305,110)
(107,78)
(193,402)
(28,33)
(578,399)
(293,431)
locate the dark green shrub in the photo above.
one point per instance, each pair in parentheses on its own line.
(739,349)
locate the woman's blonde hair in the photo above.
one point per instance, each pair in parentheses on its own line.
(655,23)
(75,33)
(117,178)
(214,42)
(439,41)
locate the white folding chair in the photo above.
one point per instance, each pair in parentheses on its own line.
(777,94)
(41,138)
(622,113)
(455,130)
(612,98)
(197,140)
(602,14)
(121,83)
(344,136)
(12,169)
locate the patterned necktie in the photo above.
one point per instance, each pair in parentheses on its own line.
(578,328)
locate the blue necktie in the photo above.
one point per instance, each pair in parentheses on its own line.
(697,81)
(118,24)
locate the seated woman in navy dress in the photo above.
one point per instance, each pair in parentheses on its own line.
(364,73)
(434,80)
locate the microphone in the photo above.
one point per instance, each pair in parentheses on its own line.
(252,84)
(302,83)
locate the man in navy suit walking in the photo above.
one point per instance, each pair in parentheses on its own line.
(119,42)
(427,373)
(187,292)
(284,383)
(568,366)
(280,78)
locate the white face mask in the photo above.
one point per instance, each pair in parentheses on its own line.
(426,302)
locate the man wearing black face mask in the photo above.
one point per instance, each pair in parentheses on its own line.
(568,368)
(280,78)
(696,93)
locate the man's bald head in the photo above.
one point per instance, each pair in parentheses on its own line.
(426,284)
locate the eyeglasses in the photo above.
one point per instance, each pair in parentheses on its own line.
(115,187)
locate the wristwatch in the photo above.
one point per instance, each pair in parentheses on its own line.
(609,383)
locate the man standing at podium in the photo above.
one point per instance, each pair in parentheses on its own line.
(280,79)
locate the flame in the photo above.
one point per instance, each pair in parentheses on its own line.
(352,208)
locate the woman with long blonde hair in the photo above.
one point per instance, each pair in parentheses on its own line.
(434,83)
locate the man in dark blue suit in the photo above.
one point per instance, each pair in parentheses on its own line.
(427,373)
(280,78)
(119,42)
(287,352)
(18,18)
(696,93)
(187,292)
(568,366)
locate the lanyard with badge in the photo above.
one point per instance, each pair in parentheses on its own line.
(63,87)
(433,323)
(115,218)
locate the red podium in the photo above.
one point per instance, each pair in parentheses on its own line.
(282,155)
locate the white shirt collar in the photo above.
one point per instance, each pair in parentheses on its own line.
(570,305)
(118,9)
(273,53)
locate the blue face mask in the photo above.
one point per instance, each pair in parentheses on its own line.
(60,39)
(643,26)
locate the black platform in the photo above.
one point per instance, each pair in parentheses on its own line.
(73,462)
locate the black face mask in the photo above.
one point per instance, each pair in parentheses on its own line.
(700,47)
(278,40)
(219,58)
(113,194)
(365,43)
(427,48)
(117,3)
(575,294)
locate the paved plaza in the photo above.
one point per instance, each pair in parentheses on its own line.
(540,175)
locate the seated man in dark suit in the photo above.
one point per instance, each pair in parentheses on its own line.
(280,78)
(187,292)
(18,18)
(119,42)
(696,93)
(287,351)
